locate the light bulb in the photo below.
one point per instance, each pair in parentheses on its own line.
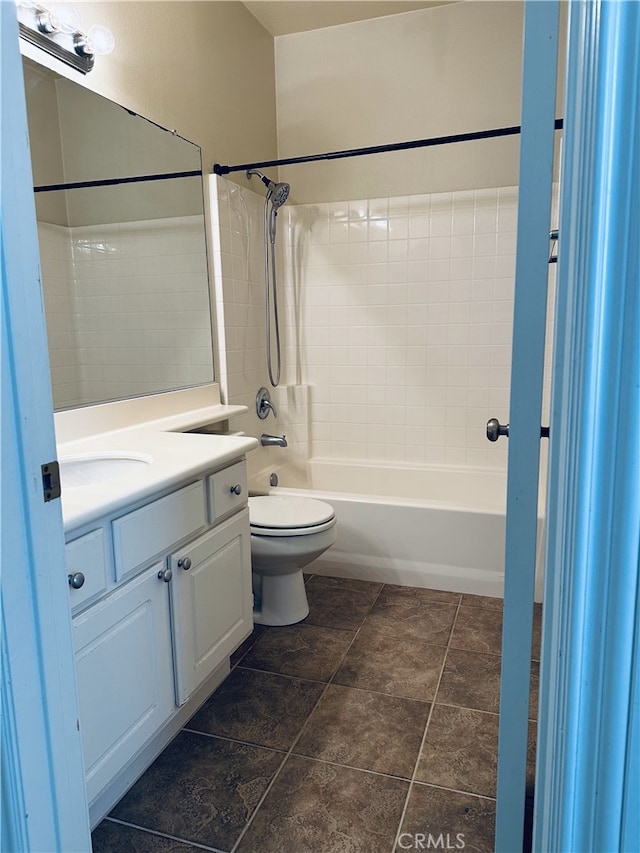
(68,16)
(99,41)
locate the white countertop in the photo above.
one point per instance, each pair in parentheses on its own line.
(175,458)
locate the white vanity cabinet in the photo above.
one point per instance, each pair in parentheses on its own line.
(166,599)
(125,674)
(211,601)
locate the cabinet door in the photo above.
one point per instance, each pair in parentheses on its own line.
(211,601)
(125,675)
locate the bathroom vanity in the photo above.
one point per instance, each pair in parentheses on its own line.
(159,568)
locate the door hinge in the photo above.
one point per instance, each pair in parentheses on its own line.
(50,480)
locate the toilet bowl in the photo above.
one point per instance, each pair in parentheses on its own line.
(287,533)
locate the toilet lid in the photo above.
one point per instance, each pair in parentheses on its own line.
(285,512)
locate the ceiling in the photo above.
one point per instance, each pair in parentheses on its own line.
(281,17)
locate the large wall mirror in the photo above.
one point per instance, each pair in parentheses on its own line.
(124,267)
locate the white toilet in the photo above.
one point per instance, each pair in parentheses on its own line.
(287,533)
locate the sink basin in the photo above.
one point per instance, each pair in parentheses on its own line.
(89,469)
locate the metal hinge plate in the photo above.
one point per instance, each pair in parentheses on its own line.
(50,480)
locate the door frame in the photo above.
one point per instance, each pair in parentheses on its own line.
(44,802)
(588,764)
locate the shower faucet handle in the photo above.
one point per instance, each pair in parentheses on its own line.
(264,404)
(495,429)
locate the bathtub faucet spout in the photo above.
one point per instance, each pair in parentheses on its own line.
(273,440)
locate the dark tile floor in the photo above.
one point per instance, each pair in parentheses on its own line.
(375,716)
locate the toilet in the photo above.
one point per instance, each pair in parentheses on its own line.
(287,533)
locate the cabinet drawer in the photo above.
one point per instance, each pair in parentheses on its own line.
(146,532)
(223,488)
(87,555)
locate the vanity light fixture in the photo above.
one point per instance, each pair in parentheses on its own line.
(55,28)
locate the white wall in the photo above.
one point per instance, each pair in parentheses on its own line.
(434,72)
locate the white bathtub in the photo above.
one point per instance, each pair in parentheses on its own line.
(438,527)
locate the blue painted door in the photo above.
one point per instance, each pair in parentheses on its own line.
(527,366)
(44,804)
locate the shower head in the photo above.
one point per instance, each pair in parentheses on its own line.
(277,193)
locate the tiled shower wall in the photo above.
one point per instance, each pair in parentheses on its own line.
(399,318)
(396,320)
(127,308)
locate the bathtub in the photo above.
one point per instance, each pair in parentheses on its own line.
(438,527)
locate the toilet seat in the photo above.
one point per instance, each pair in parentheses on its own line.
(279,515)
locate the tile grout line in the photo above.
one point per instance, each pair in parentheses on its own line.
(426,728)
(245,829)
(454,791)
(158,834)
(346,686)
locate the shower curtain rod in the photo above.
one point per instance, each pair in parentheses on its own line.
(218,169)
(110,182)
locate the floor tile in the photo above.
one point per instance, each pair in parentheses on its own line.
(470,680)
(454,821)
(460,750)
(399,667)
(417,592)
(258,707)
(366,730)
(315,807)
(348,583)
(200,789)
(403,616)
(482,601)
(110,837)
(497,604)
(478,629)
(305,651)
(337,606)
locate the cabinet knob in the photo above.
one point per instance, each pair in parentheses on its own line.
(236,490)
(184,563)
(76,580)
(165,575)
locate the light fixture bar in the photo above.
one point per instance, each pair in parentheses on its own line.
(84,63)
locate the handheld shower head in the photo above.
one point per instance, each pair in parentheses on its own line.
(279,194)
(276,193)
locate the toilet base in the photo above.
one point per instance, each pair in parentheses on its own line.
(283,599)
